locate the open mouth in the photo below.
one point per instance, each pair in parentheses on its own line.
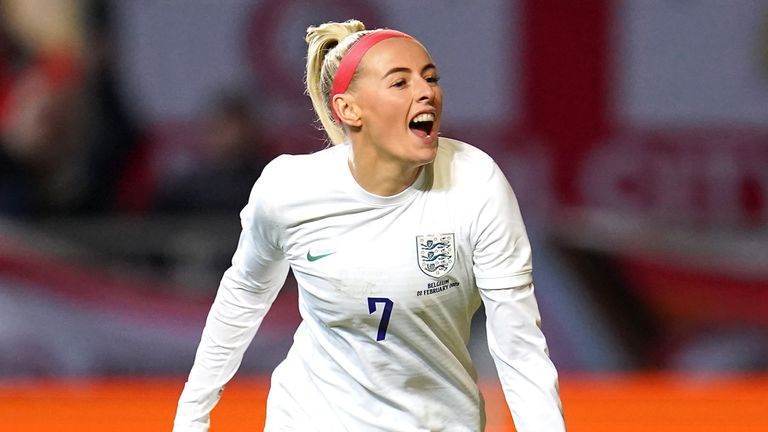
(422,125)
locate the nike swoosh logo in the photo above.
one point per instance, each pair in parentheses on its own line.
(312,258)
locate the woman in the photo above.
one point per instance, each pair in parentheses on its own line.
(395,236)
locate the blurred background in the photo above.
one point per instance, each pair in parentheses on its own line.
(634,133)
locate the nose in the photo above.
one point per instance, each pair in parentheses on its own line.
(425,91)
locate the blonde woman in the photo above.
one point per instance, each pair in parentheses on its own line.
(395,236)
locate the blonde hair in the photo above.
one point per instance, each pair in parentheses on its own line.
(327,44)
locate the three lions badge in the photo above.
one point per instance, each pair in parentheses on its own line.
(436,253)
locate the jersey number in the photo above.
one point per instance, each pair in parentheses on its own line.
(384,316)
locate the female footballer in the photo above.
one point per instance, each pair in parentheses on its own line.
(395,236)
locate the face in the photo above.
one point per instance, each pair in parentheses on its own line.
(399,101)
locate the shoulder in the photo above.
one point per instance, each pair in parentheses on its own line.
(288,178)
(286,166)
(463,151)
(464,163)
(294,173)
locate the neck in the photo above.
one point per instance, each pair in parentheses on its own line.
(379,176)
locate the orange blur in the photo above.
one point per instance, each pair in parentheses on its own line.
(594,403)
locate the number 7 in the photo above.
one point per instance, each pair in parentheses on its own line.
(384,316)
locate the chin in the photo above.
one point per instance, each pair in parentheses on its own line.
(426,155)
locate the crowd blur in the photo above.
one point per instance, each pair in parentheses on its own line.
(68,143)
(77,165)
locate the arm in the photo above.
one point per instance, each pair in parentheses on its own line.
(235,316)
(519,350)
(503,271)
(245,294)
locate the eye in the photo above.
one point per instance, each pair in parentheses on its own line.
(434,79)
(399,83)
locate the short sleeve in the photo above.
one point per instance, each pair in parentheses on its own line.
(502,252)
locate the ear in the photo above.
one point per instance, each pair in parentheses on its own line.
(347,109)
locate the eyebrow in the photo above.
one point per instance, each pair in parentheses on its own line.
(405,69)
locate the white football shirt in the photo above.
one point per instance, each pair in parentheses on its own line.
(387,290)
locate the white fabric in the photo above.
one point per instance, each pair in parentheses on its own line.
(416,258)
(519,350)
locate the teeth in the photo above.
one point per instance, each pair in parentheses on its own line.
(427,117)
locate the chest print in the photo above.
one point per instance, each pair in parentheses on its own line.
(436,253)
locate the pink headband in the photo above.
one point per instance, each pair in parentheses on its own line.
(351,60)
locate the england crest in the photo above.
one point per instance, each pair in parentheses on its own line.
(436,253)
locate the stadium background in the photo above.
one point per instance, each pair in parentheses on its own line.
(635,134)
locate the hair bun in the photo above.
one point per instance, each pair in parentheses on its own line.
(332,32)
